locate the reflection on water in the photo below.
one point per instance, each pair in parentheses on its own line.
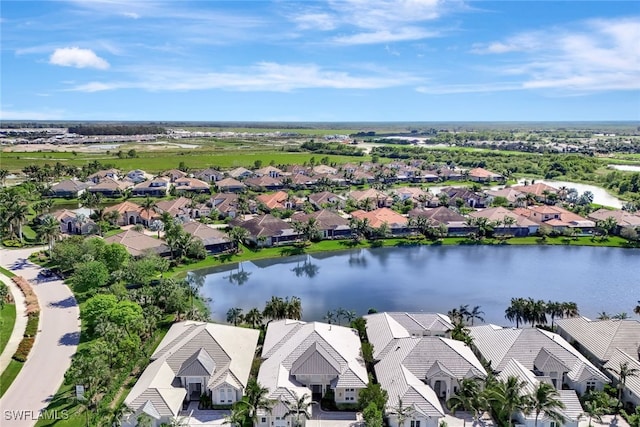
(432,279)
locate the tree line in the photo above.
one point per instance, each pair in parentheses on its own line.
(94,129)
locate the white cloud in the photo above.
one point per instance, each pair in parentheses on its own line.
(315,21)
(78,58)
(601,55)
(131,15)
(385,36)
(469,88)
(264,76)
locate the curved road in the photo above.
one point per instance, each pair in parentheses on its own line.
(55,344)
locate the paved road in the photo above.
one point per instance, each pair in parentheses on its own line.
(18,327)
(55,343)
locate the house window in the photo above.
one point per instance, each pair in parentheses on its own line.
(591,386)
(415,423)
(350,394)
(229,395)
(553,424)
(263,420)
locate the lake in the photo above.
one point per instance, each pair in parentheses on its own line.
(426,278)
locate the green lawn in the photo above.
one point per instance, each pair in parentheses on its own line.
(7,320)
(9,374)
(7,272)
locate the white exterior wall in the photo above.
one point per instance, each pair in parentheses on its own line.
(187,381)
(224,393)
(446,387)
(581,387)
(341,394)
(424,421)
(309,380)
(531,422)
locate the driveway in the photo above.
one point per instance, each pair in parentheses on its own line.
(51,354)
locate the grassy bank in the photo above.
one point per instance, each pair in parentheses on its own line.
(9,374)
(7,320)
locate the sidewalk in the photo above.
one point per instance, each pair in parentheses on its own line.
(18,327)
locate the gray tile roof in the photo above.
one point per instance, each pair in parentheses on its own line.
(602,337)
(200,364)
(618,357)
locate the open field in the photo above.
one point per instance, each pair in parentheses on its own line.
(7,320)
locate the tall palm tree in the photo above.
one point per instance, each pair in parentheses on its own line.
(637,309)
(603,316)
(515,312)
(255,399)
(237,235)
(293,308)
(340,312)
(234,316)
(545,398)
(49,230)
(570,309)
(330,317)
(505,399)
(468,398)
(298,408)
(402,412)
(475,313)
(18,215)
(253,317)
(147,204)
(237,416)
(623,373)
(554,309)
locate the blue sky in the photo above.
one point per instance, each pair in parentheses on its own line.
(342,60)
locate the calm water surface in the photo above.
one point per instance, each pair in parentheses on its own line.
(432,279)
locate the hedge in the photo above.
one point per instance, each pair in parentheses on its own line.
(23,349)
(33,311)
(30,297)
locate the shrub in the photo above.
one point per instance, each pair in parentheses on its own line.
(30,297)
(32,325)
(23,349)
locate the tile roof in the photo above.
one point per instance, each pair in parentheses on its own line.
(382,216)
(229,183)
(273,200)
(619,357)
(623,218)
(208,235)
(266,225)
(537,189)
(440,215)
(138,243)
(499,213)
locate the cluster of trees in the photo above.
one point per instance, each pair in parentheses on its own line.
(276,308)
(95,129)
(124,304)
(332,148)
(528,310)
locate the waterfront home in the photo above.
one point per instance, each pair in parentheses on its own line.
(191,185)
(68,188)
(330,224)
(138,244)
(214,240)
(513,196)
(385,329)
(623,218)
(326,199)
(522,226)
(397,223)
(572,411)
(456,224)
(556,217)
(75,222)
(192,360)
(157,187)
(543,352)
(230,185)
(264,183)
(113,174)
(483,175)
(130,213)
(539,190)
(631,390)
(599,339)
(110,187)
(371,198)
(309,359)
(209,175)
(267,230)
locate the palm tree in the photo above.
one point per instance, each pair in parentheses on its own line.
(147,204)
(623,373)
(18,215)
(475,313)
(545,398)
(460,332)
(515,312)
(637,309)
(509,222)
(621,316)
(596,404)
(506,399)
(255,399)
(234,316)
(570,309)
(238,415)
(293,308)
(275,309)
(402,412)
(253,317)
(329,317)
(299,408)
(339,312)
(49,230)
(554,309)
(350,315)
(237,235)
(468,398)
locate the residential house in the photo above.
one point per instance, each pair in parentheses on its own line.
(623,218)
(631,391)
(513,196)
(300,180)
(178,208)
(397,223)
(226,204)
(269,171)
(543,352)
(230,185)
(371,197)
(191,185)
(131,214)
(110,187)
(540,190)
(483,175)
(599,339)
(156,187)
(113,174)
(174,174)
(277,200)
(456,224)
(69,188)
(326,199)
(193,359)
(522,226)
(75,222)
(267,230)
(468,197)
(138,244)
(309,359)
(324,170)
(572,411)
(209,175)
(240,173)
(137,176)
(330,224)
(556,217)
(418,196)
(264,182)
(214,240)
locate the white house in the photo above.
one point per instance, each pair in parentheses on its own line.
(571,413)
(309,359)
(631,391)
(543,352)
(193,359)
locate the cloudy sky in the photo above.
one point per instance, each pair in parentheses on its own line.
(336,60)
